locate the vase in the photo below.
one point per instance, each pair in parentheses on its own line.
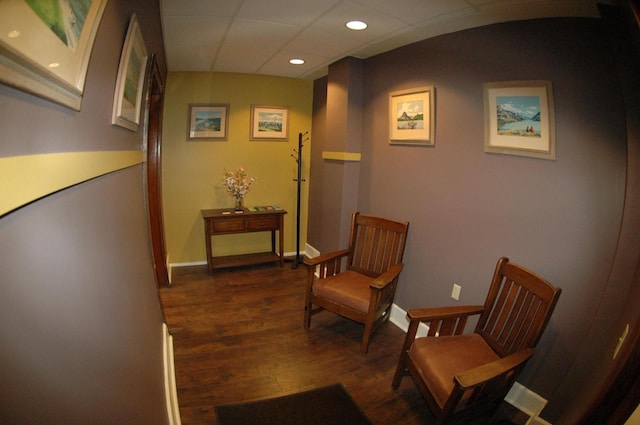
(239,203)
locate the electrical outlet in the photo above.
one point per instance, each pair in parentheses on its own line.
(455,293)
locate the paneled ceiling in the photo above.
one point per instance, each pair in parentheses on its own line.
(260,36)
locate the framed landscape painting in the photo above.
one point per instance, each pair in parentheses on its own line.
(127,100)
(208,121)
(411,116)
(269,123)
(45,46)
(519,119)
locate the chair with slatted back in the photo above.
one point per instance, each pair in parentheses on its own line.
(359,282)
(465,374)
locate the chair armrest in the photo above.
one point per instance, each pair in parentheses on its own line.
(441,320)
(481,374)
(325,257)
(387,277)
(441,313)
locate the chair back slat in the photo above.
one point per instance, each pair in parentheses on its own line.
(376,244)
(517,308)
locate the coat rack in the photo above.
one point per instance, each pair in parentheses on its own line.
(297,155)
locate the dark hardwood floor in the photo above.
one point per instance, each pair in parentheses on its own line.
(238,336)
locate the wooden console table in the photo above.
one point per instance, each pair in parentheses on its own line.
(227,222)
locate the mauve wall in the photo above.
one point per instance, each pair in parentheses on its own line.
(467,208)
(80,320)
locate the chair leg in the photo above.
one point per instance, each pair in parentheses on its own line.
(307,315)
(400,372)
(366,338)
(364,345)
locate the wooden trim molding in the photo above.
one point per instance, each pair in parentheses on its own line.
(24,179)
(342,156)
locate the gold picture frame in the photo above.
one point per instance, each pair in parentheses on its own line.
(45,52)
(127,99)
(208,121)
(412,116)
(269,123)
(520,119)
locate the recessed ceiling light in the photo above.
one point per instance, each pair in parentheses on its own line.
(356,25)
(296,61)
(13,34)
(53,65)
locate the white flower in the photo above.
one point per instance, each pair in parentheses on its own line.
(237,182)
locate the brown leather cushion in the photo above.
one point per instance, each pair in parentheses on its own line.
(441,358)
(348,288)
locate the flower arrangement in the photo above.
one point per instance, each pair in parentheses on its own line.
(237,182)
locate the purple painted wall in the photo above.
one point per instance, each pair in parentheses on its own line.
(467,208)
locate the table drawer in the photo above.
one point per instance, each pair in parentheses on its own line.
(262,223)
(225,226)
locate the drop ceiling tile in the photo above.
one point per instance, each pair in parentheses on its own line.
(204,35)
(399,38)
(451,17)
(379,23)
(279,64)
(413,11)
(249,61)
(245,33)
(249,44)
(225,8)
(189,58)
(195,30)
(322,44)
(299,12)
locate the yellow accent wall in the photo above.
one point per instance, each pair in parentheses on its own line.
(192,170)
(24,179)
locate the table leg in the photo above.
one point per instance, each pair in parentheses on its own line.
(281,240)
(207,240)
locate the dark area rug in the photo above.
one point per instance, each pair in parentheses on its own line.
(321,406)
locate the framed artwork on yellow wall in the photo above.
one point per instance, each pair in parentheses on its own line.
(269,123)
(208,121)
(519,119)
(45,47)
(412,116)
(127,99)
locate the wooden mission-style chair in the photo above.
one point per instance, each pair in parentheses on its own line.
(464,374)
(360,282)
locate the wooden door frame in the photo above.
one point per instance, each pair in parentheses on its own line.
(155,102)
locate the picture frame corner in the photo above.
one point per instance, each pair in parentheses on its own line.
(518,139)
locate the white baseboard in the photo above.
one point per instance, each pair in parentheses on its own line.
(519,396)
(310,251)
(200,263)
(170,391)
(187,264)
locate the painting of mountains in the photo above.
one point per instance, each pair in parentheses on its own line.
(410,115)
(270,122)
(518,116)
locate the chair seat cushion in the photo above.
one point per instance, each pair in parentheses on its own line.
(348,288)
(441,358)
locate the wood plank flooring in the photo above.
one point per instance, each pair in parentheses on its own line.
(238,336)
